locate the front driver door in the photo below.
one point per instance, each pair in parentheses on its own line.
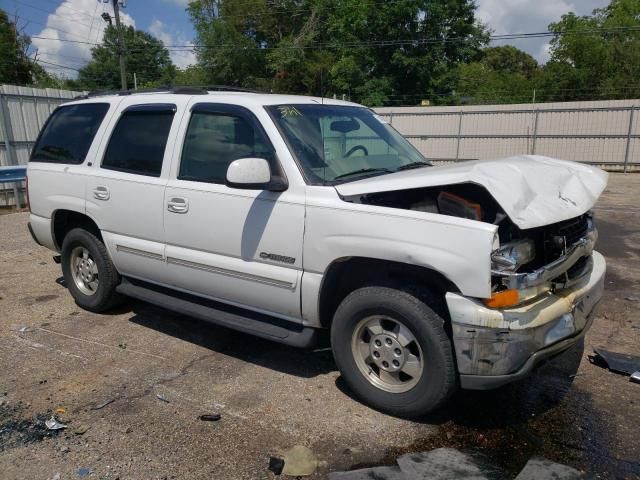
(242,247)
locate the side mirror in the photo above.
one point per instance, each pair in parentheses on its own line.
(253,174)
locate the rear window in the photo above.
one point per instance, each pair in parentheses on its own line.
(67,135)
(139,139)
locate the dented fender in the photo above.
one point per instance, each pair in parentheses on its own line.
(458,248)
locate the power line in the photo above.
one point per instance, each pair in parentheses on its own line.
(383,43)
(48,12)
(64,5)
(52,28)
(93,18)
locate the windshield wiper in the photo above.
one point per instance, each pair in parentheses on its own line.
(411,166)
(363,170)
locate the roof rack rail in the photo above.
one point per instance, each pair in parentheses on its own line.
(120,93)
(225,88)
(178,90)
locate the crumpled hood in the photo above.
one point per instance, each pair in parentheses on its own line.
(533,190)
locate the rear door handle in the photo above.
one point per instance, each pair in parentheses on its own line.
(101,193)
(178,205)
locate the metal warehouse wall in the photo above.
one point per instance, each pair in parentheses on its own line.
(603,133)
(23,111)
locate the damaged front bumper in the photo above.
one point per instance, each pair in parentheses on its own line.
(495,347)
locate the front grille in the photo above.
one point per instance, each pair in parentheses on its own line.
(557,238)
(573,230)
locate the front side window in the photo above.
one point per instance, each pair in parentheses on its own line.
(139,139)
(68,134)
(335,144)
(216,138)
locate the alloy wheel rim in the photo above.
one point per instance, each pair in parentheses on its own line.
(84,271)
(387,353)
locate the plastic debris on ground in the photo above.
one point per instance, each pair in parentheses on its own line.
(84,472)
(103,404)
(377,473)
(452,464)
(621,363)
(276,465)
(81,429)
(210,417)
(635,377)
(53,424)
(299,461)
(537,468)
(162,398)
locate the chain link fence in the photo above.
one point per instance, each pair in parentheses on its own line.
(606,134)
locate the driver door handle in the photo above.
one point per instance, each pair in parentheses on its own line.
(101,193)
(178,205)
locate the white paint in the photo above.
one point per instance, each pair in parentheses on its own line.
(247,171)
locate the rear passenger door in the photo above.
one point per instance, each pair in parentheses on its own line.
(242,247)
(125,194)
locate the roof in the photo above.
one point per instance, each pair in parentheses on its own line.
(220,94)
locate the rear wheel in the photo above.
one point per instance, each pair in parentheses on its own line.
(393,351)
(88,271)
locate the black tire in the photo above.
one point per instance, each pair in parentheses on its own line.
(438,379)
(105,296)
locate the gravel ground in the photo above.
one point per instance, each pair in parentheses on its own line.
(272,397)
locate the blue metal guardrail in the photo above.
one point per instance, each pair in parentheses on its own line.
(14,175)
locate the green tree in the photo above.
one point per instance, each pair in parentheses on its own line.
(509,59)
(595,56)
(16,67)
(192,75)
(328,47)
(502,75)
(145,56)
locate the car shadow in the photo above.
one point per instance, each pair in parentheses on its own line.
(511,404)
(265,353)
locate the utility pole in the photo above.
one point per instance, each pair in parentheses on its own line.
(123,72)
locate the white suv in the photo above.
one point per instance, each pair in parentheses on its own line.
(280,216)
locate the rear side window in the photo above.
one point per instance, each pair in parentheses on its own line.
(67,135)
(139,139)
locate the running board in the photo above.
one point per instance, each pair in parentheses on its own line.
(235,318)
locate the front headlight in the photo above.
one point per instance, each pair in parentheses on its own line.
(511,256)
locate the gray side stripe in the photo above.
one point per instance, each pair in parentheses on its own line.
(232,273)
(142,253)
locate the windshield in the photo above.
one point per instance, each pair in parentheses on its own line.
(337,144)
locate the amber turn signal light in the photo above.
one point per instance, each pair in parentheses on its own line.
(505,298)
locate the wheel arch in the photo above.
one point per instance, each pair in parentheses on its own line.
(64,220)
(346,274)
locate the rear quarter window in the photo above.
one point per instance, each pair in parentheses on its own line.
(68,133)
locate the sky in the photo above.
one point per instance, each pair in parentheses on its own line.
(167,20)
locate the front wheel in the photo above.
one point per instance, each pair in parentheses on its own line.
(88,271)
(393,351)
